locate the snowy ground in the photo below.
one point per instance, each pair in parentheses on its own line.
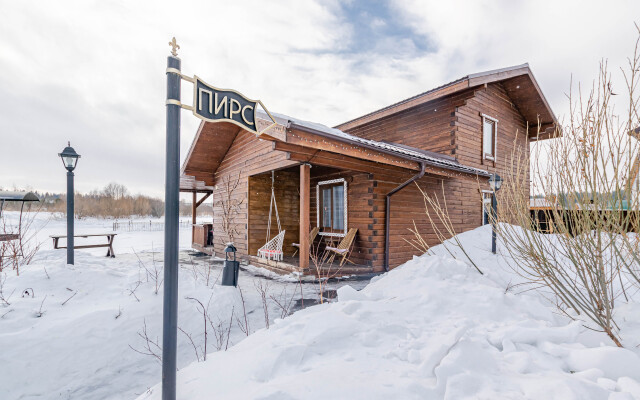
(431,329)
(46,224)
(68,331)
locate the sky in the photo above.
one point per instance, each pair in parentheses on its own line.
(93,72)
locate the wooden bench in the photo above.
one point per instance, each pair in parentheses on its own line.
(5,237)
(109,244)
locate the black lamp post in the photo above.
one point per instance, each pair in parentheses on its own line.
(231,267)
(495,182)
(69,160)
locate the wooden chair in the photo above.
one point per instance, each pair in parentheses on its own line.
(343,248)
(312,237)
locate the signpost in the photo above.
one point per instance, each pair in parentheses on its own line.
(209,104)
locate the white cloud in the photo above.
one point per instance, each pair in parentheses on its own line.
(93,71)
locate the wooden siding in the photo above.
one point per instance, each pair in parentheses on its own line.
(463,197)
(288,201)
(246,155)
(451,126)
(511,135)
(428,126)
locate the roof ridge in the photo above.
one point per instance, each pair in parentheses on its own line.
(459,80)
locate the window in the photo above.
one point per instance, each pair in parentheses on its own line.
(489,134)
(486,207)
(331,198)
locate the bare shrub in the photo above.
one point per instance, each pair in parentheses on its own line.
(154,273)
(243,323)
(586,178)
(40,311)
(324,270)
(263,287)
(285,301)
(19,252)
(150,347)
(4,299)
(230,206)
(438,215)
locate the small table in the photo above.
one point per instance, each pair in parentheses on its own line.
(109,244)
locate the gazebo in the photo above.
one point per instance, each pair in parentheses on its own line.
(14,196)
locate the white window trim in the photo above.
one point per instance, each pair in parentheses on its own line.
(344,182)
(495,138)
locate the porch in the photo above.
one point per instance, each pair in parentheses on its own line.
(293,208)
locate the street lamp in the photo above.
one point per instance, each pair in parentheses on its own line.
(69,160)
(231,267)
(495,182)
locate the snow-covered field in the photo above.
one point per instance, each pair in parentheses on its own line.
(433,328)
(69,332)
(46,224)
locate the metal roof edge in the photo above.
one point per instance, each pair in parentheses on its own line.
(432,161)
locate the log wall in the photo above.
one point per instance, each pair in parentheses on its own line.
(246,156)
(451,126)
(286,189)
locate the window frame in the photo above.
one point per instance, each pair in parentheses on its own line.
(491,157)
(332,182)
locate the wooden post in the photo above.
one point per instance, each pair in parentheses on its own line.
(193,216)
(305,209)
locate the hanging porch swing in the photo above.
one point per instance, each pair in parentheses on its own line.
(272,249)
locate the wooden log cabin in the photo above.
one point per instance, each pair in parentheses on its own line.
(364,172)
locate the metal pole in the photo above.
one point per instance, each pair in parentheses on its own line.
(171,208)
(494,213)
(70,211)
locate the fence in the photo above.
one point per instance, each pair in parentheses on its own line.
(138,226)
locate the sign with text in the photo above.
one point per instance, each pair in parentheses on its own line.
(218,105)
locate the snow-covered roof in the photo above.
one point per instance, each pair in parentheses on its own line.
(17,196)
(406,152)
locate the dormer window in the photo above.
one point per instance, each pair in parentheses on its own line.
(489,135)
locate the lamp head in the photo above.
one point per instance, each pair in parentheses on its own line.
(69,157)
(495,182)
(229,250)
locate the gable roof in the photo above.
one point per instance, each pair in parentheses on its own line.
(518,81)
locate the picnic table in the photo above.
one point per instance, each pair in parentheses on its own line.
(5,237)
(109,244)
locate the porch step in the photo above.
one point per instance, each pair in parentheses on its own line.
(290,265)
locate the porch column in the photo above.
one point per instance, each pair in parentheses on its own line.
(305,209)
(193,215)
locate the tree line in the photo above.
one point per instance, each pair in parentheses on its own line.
(113,201)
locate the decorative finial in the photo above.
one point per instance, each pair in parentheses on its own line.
(175,46)
(69,143)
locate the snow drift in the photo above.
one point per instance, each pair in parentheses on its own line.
(433,328)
